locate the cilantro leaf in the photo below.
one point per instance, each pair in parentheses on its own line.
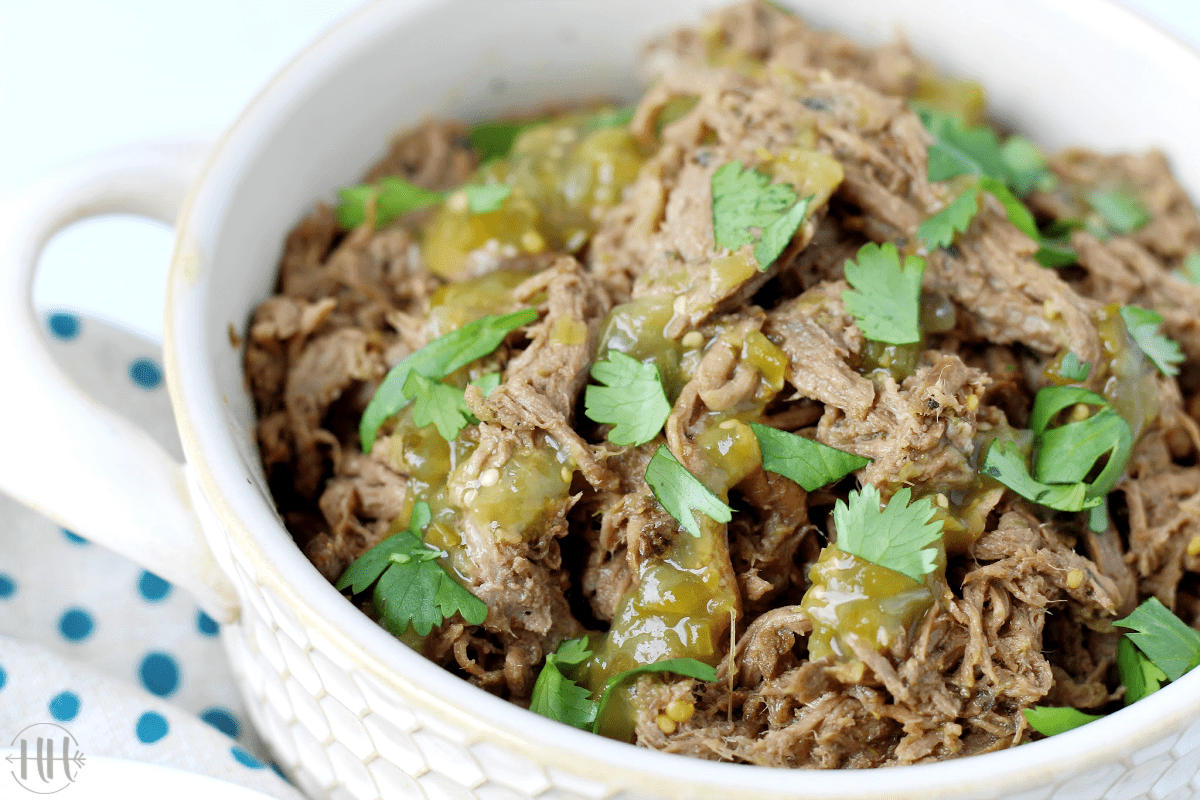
(1026,166)
(681,493)
(896,537)
(367,568)
(1121,211)
(688,667)
(1005,463)
(1139,675)
(494,139)
(1053,399)
(1017,213)
(939,229)
(558,697)
(435,361)
(808,463)
(777,235)
(1054,253)
(745,199)
(632,399)
(1048,720)
(1067,453)
(1143,326)
(393,198)
(435,403)
(1073,369)
(610,118)
(960,150)
(411,587)
(1168,641)
(1191,267)
(886,298)
(482,199)
(487,383)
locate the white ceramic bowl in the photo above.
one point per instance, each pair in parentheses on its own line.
(349,711)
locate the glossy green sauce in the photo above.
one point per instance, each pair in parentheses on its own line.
(851,596)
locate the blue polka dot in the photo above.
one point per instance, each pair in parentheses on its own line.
(160,674)
(76,625)
(151,727)
(3,677)
(245,759)
(145,373)
(206,624)
(153,588)
(75,538)
(63,326)
(222,720)
(64,706)
(8,587)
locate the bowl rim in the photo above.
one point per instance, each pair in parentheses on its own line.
(214,464)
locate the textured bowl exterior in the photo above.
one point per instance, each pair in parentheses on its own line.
(348,710)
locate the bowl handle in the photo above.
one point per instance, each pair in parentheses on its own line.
(61,452)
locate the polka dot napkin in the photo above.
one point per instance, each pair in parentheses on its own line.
(116,655)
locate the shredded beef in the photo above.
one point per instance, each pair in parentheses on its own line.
(1021,610)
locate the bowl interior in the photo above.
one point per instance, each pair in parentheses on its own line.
(1066,72)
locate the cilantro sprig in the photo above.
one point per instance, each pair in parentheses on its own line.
(411,587)
(1072,369)
(558,697)
(632,399)
(1121,212)
(561,698)
(435,361)
(898,536)
(808,463)
(745,201)
(1161,648)
(437,404)
(1051,720)
(681,493)
(1066,454)
(1143,326)
(886,297)
(1169,642)
(394,197)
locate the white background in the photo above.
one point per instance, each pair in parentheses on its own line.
(78,76)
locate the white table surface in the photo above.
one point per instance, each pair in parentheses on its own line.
(78,76)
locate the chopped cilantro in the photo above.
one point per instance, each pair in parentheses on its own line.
(1073,369)
(632,399)
(487,383)
(1026,166)
(886,298)
(688,667)
(1054,253)
(482,199)
(435,403)
(558,697)
(897,537)
(1066,454)
(681,493)
(1140,677)
(411,587)
(1048,720)
(435,361)
(1121,211)
(1168,641)
(939,229)
(1017,213)
(494,139)
(1143,326)
(393,198)
(808,463)
(745,200)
